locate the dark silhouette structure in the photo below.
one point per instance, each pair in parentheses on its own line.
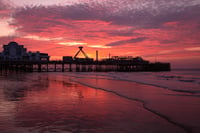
(70,64)
(86,58)
(15,52)
(80,50)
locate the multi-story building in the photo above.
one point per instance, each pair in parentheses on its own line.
(15,52)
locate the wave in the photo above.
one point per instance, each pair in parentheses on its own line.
(144,102)
(170,81)
(153,92)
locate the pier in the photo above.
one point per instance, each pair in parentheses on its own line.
(16,57)
(81,66)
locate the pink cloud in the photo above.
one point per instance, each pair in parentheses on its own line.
(116,27)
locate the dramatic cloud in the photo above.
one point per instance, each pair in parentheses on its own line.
(4,9)
(140,27)
(168,41)
(134,13)
(3,5)
(6,29)
(123,42)
(5,12)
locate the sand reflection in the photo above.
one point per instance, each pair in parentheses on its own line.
(52,103)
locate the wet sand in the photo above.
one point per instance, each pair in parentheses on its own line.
(178,108)
(53,103)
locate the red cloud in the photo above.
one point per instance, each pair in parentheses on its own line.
(125,28)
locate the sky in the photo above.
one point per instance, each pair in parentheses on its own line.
(156,30)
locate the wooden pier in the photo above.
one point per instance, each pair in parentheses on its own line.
(82,66)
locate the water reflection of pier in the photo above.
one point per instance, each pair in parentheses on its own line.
(82,66)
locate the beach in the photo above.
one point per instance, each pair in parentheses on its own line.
(99,102)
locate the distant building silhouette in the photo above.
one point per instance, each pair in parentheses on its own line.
(15,52)
(127,59)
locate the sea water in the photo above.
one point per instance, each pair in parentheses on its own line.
(100,102)
(176,80)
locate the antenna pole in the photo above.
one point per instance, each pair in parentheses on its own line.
(97,55)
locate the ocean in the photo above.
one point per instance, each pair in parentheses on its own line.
(98,102)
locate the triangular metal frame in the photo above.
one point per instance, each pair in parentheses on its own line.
(81,50)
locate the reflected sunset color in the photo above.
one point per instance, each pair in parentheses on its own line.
(52,103)
(157,30)
(99,66)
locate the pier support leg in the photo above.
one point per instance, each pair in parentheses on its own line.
(47,67)
(77,68)
(70,67)
(63,67)
(39,67)
(55,67)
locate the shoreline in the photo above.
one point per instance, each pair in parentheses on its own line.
(148,102)
(57,97)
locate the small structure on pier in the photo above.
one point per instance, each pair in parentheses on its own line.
(85,55)
(80,50)
(126,59)
(67,59)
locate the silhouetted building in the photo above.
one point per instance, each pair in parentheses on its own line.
(126,59)
(15,52)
